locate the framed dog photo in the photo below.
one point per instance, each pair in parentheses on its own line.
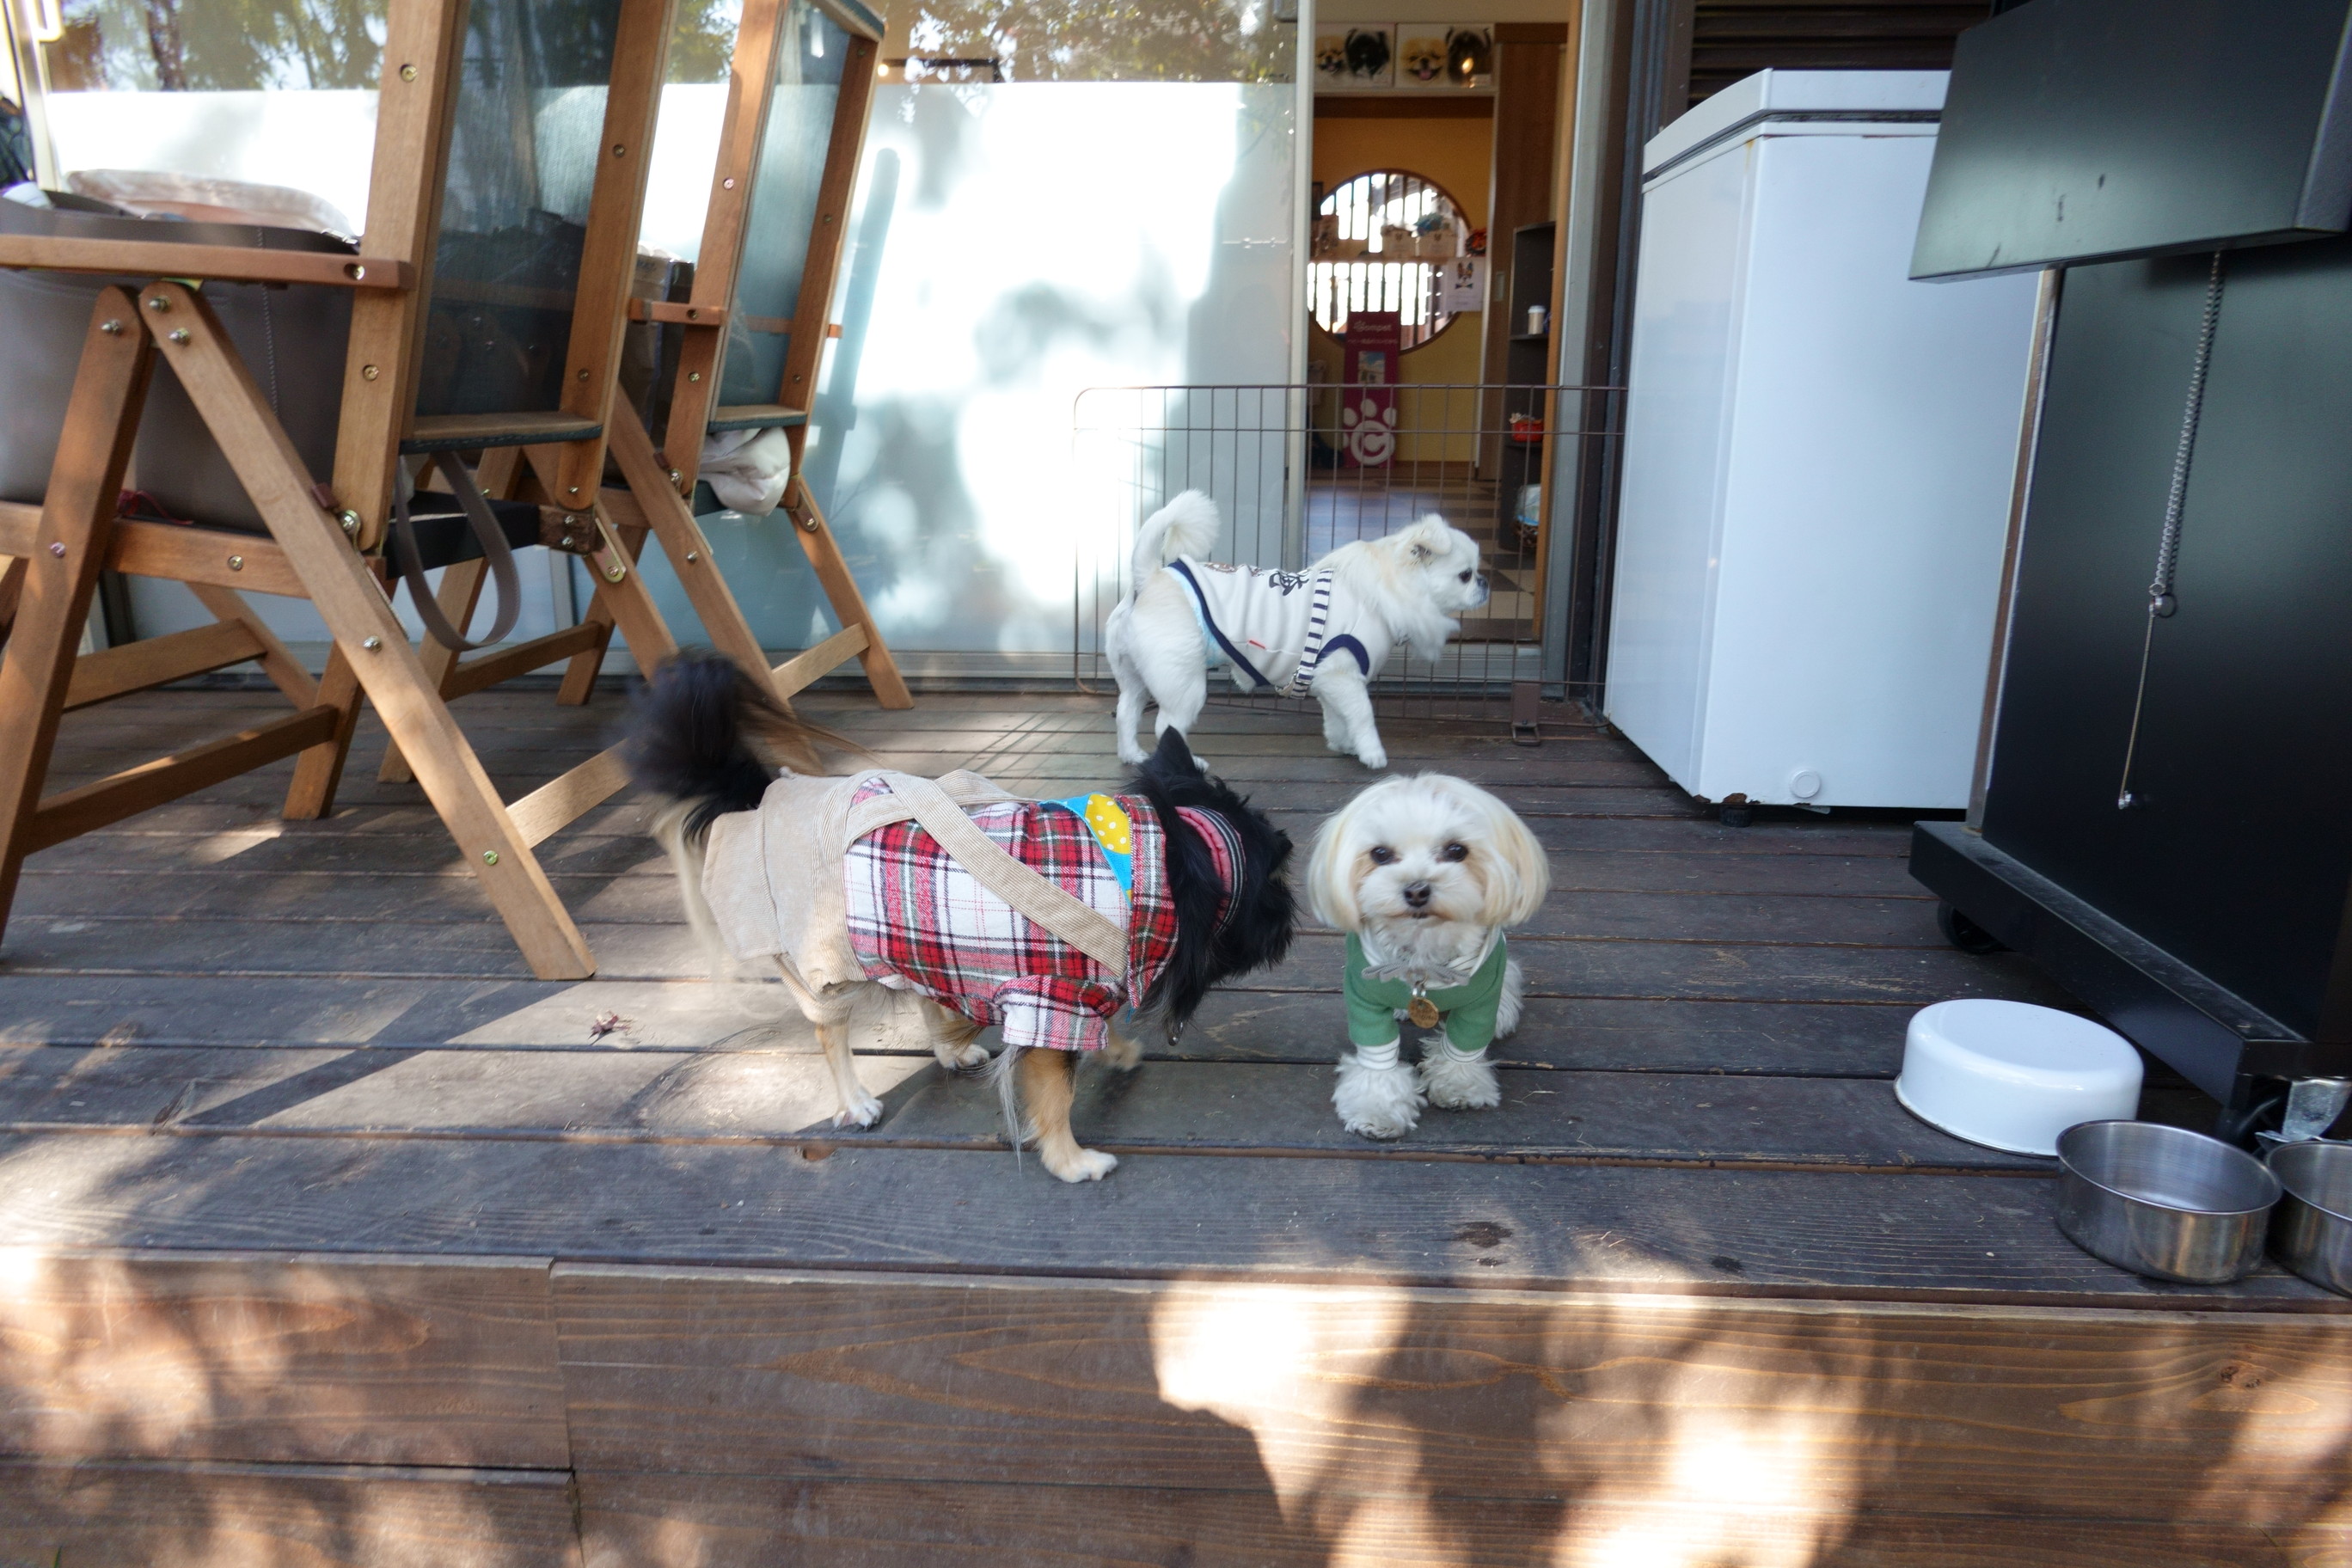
(1469,58)
(1420,54)
(1405,56)
(1368,59)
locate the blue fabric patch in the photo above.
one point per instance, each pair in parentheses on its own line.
(1114,833)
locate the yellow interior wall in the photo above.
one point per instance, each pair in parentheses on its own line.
(1459,155)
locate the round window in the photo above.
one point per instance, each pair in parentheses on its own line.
(1379,241)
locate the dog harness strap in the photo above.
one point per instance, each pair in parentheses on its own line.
(1318,617)
(1079,924)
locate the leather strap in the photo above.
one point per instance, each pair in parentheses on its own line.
(1052,906)
(495,550)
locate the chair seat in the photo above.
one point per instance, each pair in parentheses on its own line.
(470,432)
(755,417)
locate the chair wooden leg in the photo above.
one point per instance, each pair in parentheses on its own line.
(460,592)
(580,674)
(12,588)
(621,592)
(319,771)
(352,602)
(77,522)
(284,671)
(849,605)
(672,521)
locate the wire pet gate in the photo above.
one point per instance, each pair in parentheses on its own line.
(1298,470)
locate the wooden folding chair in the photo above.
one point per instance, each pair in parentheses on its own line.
(324,542)
(798,63)
(795,62)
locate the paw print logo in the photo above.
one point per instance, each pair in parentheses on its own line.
(1371,431)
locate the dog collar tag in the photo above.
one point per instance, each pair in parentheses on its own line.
(1421,1009)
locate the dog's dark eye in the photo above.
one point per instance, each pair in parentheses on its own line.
(1455,852)
(1463,578)
(1382,854)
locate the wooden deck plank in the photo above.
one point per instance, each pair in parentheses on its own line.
(220,1516)
(281,1357)
(1960,1238)
(2144,1417)
(631,950)
(1788,1038)
(718,1522)
(788,1096)
(392,845)
(249,892)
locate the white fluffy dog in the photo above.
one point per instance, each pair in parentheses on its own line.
(1322,632)
(1425,874)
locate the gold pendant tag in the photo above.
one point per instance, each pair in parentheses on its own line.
(1421,1010)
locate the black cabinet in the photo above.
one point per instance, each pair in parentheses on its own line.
(2163,825)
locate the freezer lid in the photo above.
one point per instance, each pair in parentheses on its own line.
(1865,97)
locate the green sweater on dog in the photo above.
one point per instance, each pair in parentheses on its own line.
(1467,1010)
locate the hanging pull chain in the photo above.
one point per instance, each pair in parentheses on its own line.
(2160,602)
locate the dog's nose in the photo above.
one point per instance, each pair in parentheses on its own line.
(1416,896)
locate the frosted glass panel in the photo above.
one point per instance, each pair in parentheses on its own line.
(1014,246)
(809,57)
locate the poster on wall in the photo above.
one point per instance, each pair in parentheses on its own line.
(1356,58)
(1445,56)
(1368,414)
(1462,285)
(1416,57)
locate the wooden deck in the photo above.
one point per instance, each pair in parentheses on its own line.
(328,1236)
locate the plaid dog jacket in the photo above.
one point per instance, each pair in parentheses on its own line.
(920,921)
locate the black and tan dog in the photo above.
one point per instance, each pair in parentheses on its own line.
(841,882)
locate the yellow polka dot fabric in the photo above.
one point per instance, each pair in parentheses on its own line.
(1110,824)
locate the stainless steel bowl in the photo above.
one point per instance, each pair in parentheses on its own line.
(2163,1201)
(2312,1232)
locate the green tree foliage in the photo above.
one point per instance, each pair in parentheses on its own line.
(224,46)
(1107,40)
(703,41)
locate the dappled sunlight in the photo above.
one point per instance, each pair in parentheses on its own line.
(1686,1444)
(2286,1408)
(219,847)
(735,1015)
(87,1514)
(100,1362)
(1288,1364)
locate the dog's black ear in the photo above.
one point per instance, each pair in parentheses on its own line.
(1174,757)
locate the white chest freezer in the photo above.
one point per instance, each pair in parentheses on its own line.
(1818,455)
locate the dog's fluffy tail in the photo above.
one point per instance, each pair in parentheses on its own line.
(1003,1075)
(707,738)
(1187,525)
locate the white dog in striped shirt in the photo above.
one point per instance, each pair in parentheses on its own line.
(1324,632)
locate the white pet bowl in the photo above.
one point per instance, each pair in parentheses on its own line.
(2013,1077)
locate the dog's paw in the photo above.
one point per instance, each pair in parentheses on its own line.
(862,1112)
(1122,1052)
(1133,755)
(1382,1124)
(1456,1084)
(1374,756)
(969,1057)
(1377,1102)
(1083,1165)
